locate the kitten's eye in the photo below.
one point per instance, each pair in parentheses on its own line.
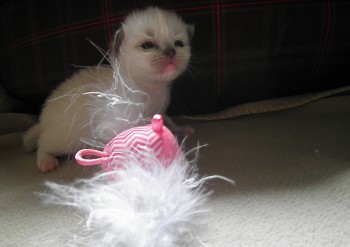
(147,45)
(179,43)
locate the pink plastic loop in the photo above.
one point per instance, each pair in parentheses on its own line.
(79,157)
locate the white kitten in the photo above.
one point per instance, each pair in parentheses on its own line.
(151,49)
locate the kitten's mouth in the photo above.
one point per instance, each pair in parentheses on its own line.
(169,68)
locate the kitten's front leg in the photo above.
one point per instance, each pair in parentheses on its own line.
(176,129)
(51,144)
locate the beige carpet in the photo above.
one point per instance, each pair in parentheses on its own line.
(292,173)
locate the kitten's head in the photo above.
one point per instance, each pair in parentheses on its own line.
(153,45)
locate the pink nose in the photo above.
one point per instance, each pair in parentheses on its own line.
(169,52)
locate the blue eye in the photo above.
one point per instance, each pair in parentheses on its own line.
(147,45)
(179,43)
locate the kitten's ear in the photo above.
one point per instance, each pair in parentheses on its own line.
(116,43)
(190,31)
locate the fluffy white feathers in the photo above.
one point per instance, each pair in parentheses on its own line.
(114,107)
(157,207)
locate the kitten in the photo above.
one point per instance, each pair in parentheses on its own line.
(150,50)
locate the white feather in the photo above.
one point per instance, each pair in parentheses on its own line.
(115,107)
(154,207)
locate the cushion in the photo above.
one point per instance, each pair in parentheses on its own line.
(243,51)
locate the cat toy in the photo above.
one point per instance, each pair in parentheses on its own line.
(135,142)
(148,193)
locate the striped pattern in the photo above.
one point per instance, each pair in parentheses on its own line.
(140,143)
(243,50)
(134,140)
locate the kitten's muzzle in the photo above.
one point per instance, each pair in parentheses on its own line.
(169,52)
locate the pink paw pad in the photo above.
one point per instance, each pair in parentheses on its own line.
(48,164)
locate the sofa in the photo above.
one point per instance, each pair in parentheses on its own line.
(267,90)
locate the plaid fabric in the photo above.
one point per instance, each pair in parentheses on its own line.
(242,50)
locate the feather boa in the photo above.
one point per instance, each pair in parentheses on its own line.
(154,207)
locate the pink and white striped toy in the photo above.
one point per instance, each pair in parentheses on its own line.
(153,196)
(135,142)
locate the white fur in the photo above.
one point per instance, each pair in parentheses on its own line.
(96,103)
(154,207)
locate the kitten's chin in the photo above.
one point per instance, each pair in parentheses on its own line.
(169,73)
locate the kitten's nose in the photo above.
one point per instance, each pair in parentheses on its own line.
(169,52)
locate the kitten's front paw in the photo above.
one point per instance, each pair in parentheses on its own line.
(47,164)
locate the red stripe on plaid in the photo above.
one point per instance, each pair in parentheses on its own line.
(57,32)
(108,21)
